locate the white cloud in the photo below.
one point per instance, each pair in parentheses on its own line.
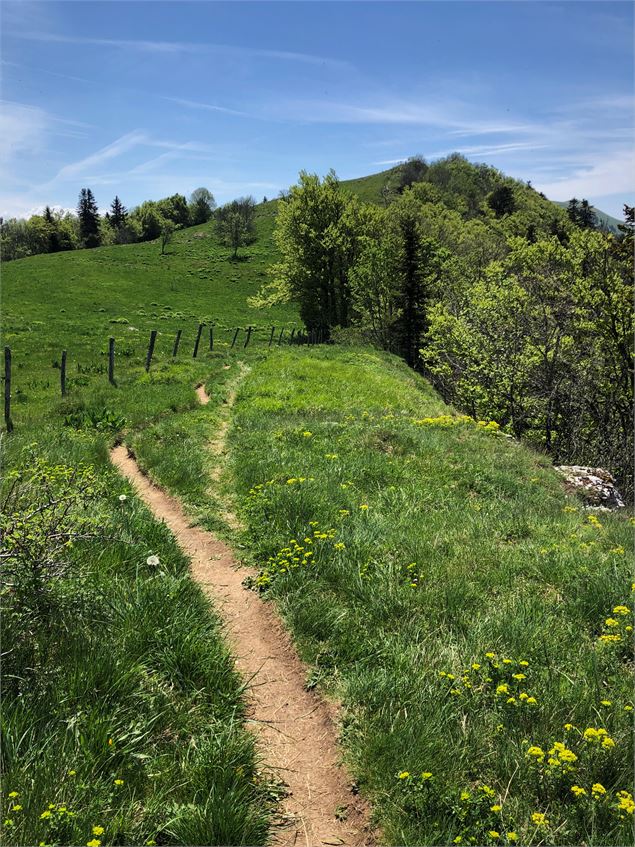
(180,47)
(23,130)
(611,174)
(207,107)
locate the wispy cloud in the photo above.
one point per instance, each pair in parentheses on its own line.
(206,107)
(111,151)
(608,175)
(181,47)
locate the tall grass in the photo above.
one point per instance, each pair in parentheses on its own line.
(122,715)
(442,584)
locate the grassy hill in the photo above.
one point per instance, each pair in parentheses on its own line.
(369,189)
(471,617)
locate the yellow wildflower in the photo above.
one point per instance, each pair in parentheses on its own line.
(540,819)
(625,802)
(621,610)
(404,774)
(98,830)
(597,789)
(578,790)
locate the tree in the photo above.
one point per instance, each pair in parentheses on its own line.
(573,210)
(88,219)
(502,201)
(167,231)
(235,223)
(416,269)
(175,209)
(587,218)
(202,205)
(149,219)
(411,171)
(316,235)
(118,214)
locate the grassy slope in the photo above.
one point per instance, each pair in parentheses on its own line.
(369,190)
(468,546)
(114,665)
(75,301)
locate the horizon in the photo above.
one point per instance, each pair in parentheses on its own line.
(239,97)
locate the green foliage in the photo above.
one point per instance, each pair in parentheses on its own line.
(235,223)
(317,232)
(540,344)
(201,205)
(88,217)
(502,201)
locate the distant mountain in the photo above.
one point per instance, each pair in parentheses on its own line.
(477,181)
(605,220)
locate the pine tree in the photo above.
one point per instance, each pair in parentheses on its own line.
(88,218)
(118,214)
(573,210)
(587,218)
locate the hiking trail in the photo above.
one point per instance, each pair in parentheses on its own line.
(295,729)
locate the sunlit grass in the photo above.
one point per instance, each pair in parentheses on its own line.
(451,543)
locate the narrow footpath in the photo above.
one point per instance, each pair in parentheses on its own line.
(295,728)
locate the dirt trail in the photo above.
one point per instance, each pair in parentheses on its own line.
(295,728)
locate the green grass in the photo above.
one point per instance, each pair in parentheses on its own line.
(126,652)
(122,676)
(75,301)
(468,546)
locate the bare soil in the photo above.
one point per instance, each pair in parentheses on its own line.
(295,727)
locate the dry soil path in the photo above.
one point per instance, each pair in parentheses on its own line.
(295,727)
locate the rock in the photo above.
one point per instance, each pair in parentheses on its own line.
(595,485)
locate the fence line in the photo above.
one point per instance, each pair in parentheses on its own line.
(297,336)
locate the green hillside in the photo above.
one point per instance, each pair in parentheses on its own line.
(473,620)
(369,189)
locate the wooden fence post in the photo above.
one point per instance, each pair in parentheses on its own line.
(248,336)
(198,338)
(177,341)
(211,337)
(111,360)
(153,338)
(280,336)
(7,389)
(273,329)
(63,374)
(235,335)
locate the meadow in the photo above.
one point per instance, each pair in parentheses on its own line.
(475,621)
(119,725)
(472,619)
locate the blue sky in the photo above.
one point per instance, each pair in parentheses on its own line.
(145,99)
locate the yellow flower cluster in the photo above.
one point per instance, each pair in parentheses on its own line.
(294,556)
(598,736)
(479,677)
(616,627)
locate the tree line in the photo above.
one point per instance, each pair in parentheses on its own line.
(514,308)
(56,231)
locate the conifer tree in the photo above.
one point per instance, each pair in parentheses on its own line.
(118,214)
(88,218)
